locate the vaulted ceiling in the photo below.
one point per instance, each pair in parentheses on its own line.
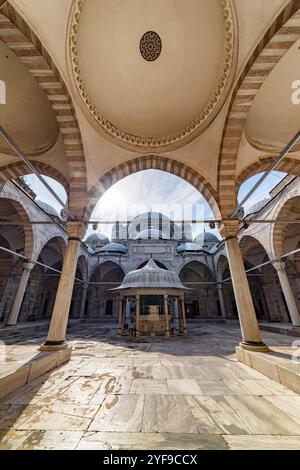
(95,84)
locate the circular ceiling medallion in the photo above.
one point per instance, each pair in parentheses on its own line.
(155,108)
(150,46)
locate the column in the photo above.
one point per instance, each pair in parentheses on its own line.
(287,292)
(121,322)
(183,317)
(247,316)
(166,311)
(17,303)
(57,332)
(137,314)
(221,300)
(176,309)
(83,299)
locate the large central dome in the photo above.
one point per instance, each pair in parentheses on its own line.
(153,73)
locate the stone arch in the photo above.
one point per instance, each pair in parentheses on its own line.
(201,301)
(99,263)
(61,243)
(24,215)
(222,266)
(289,210)
(19,37)
(101,302)
(17,169)
(289,165)
(254,74)
(153,162)
(205,271)
(83,267)
(250,242)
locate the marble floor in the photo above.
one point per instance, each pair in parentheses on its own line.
(169,393)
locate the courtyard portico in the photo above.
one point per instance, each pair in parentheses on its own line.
(149,207)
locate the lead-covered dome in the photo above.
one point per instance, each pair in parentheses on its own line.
(206,237)
(114,248)
(96,240)
(48,208)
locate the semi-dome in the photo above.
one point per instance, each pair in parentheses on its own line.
(97,239)
(113,248)
(192,247)
(47,208)
(151,276)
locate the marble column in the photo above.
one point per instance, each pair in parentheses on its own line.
(57,331)
(166,311)
(83,299)
(221,300)
(21,289)
(137,315)
(247,316)
(287,292)
(121,310)
(183,316)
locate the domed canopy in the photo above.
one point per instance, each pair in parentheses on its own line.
(97,239)
(151,277)
(113,248)
(47,208)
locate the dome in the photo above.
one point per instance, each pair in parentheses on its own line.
(47,208)
(258,206)
(96,239)
(151,277)
(151,234)
(158,109)
(206,237)
(151,225)
(113,248)
(184,247)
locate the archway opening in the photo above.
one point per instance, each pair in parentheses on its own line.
(42,286)
(201,301)
(101,303)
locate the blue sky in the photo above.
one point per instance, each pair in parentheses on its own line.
(152,190)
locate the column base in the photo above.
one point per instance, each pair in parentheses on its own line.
(167,333)
(254,346)
(54,346)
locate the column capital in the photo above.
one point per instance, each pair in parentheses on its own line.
(229,228)
(279,265)
(28,266)
(76,230)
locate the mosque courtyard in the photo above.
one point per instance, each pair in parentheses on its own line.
(155,393)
